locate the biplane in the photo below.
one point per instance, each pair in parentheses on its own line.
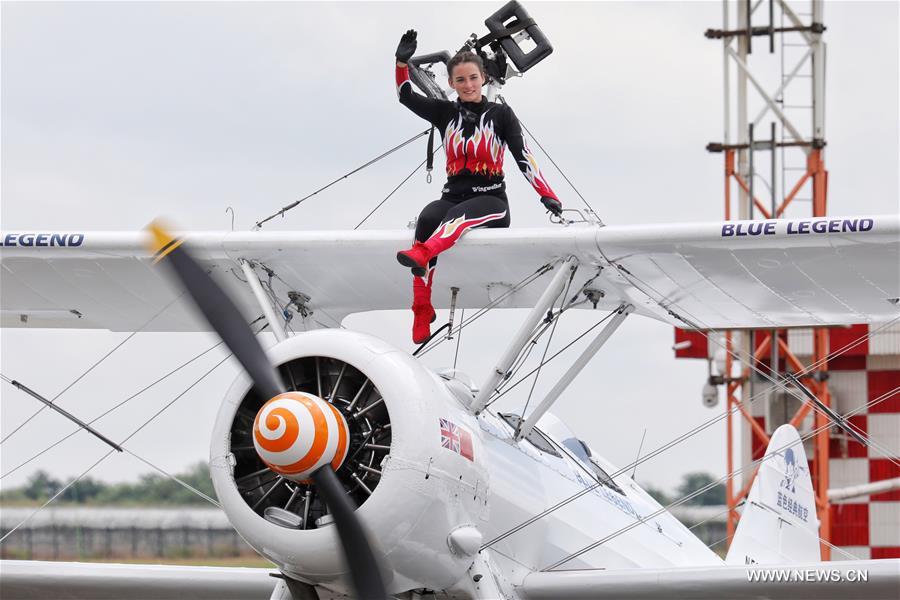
(357,470)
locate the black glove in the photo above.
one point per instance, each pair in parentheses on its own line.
(407,46)
(552,204)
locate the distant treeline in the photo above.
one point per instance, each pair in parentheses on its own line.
(151,489)
(690,483)
(155,489)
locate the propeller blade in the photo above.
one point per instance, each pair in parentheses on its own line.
(219,310)
(227,321)
(364,570)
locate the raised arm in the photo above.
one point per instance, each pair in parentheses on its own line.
(429,109)
(528,164)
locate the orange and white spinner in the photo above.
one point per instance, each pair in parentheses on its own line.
(296,433)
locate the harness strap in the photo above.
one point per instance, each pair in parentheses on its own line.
(429,158)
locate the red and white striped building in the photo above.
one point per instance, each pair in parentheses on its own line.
(867,371)
(865,526)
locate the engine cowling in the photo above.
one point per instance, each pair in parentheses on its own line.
(411,491)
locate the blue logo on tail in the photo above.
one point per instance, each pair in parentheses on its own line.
(791,470)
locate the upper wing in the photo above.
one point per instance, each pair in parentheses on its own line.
(708,276)
(759,274)
(31,579)
(819,581)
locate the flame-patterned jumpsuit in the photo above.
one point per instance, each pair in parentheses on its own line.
(475,137)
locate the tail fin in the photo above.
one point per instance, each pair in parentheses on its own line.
(779,523)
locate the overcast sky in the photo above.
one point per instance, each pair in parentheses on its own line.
(116,113)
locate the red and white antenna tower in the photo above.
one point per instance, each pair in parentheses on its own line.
(773,148)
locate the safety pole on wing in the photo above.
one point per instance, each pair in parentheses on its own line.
(275,324)
(573,371)
(499,372)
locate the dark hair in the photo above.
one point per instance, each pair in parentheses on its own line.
(464,56)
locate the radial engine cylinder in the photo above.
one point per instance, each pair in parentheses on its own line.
(412,491)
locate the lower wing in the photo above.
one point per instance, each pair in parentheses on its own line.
(30,579)
(870,579)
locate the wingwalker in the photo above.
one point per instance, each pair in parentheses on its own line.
(356,469)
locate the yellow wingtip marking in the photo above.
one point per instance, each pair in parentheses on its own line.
(161,242)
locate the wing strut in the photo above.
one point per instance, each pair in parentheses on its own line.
(573,371)
(275,324)
(499,372)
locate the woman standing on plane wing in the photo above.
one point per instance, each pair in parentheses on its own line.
(475,133)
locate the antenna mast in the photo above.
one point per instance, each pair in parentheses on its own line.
(773,149)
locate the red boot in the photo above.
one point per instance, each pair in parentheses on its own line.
(423,312)
(421,253)
(415,258)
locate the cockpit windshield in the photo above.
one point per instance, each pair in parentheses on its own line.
(583,453)
(578,448)
(563,436)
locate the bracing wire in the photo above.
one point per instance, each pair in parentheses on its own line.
(686,435)
(838,549)
(462,316)
(274,274)
(698,324)
(704,489)
(107,455)
(714,517)
(553,162)
(551,319)
(522,284)
(592,487)
(524,356)
(284,209)
(115,407)
(727,537)
(754,363)
(93,366)
(176,479)
(736,409)
(870,404)
(68,387)
(545,324)
(710,422)
(560,351)
(690,433)
(885,453)
(393,191)
(537,375)
(520,363)
(122,443)
(55,496)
